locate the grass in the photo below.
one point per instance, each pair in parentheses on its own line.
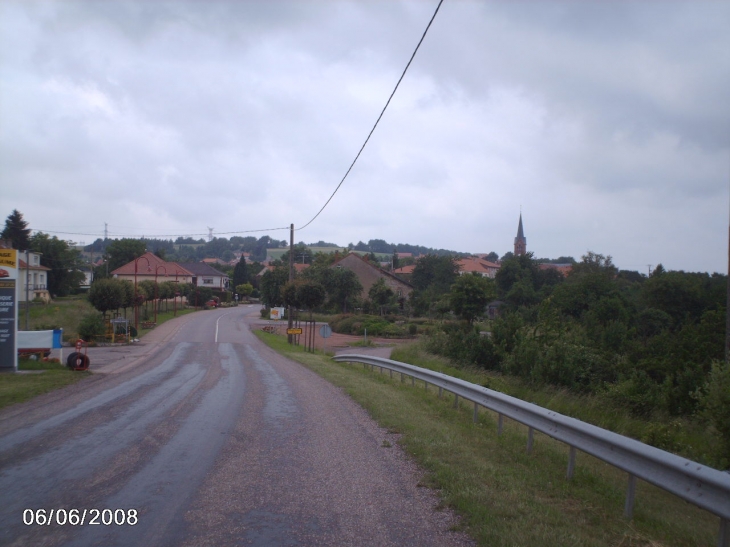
(61,313)
(44,377)
(506,497)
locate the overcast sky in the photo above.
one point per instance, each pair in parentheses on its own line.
(607,123)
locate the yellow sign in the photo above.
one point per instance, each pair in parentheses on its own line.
(294,331)
(9,258)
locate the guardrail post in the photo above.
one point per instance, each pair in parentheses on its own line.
(571,462)
(413,381)
(391,373)
(441,391)
(723,540)
(500,425)
(476,412)
(402,379)
(530,436)
(630,495)
(456,400)
(425,385)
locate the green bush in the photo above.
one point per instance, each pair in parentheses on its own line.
(91,326)
(715,404)
(465,345)
(639,394)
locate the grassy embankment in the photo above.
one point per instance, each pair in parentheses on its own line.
(505,496)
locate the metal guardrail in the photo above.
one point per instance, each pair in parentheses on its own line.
(698,484)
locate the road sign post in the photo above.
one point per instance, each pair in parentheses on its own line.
(325,331)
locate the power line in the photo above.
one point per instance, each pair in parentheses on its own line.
(158,236)
(379,117)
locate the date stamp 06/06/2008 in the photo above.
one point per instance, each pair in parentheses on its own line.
(80,517)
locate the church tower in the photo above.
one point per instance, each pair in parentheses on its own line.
(520,240)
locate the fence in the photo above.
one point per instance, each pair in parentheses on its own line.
(698,484)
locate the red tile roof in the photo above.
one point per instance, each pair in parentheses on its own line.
(477,265)
(150,263)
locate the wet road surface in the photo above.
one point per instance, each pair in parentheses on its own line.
(204,436)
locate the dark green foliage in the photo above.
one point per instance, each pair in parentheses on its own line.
(432,279)
(466,345)
(470,295)
(310,294)
(342,286)
(64,262)
(240,273)
(384,327)
(16,231)
(714,400)
(109,294)
(91,326)
(122,251)
(380,295)
(649,343)
(271,284)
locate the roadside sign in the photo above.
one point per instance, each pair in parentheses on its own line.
(294,331)
(325,331)
(8,309)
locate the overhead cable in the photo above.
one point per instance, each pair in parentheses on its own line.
(379,117)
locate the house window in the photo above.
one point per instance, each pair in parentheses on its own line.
(207,281)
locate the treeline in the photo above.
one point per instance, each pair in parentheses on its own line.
(380,246)
(192,250)
(652,344)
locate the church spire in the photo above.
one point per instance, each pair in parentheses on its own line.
(520,240)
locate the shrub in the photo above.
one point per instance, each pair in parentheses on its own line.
(91,326)
(715,403)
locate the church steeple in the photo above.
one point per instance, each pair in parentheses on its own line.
(520,240)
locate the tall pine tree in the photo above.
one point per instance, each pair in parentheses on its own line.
(240,273)
(17,231)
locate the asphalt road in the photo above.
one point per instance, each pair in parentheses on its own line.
(201,435)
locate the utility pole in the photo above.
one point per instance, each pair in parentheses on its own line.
(290,337)
(27,287)
(727,306)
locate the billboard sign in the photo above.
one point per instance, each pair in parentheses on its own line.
(8,309)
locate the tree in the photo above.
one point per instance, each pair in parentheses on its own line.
(435,272)
(64,262)
(244,289)
(310,295)
(342,286)
(107,294)
(122,251)
(470,295)
(240,273)
(380,294)
(16,231)
(271,284)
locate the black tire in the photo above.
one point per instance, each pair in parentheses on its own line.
(83,362)
(71,360)
(78,361)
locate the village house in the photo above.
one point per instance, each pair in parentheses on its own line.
(33,276)
(368,274)
(150,267)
